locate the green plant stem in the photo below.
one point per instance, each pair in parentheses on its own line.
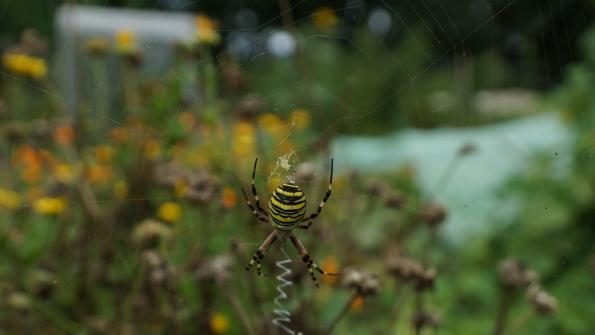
(341,314)
(503,311)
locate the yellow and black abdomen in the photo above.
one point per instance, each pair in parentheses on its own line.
(287,207)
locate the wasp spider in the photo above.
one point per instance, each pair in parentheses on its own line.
(286,211)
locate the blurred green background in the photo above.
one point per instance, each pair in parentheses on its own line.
(462,134)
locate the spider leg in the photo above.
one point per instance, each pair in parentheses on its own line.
(259,255)
(256,199)
(254,211)
(305,225)
(313,216)
(306,258)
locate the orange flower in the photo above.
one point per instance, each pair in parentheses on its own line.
(104,153)
(331,265)
(324,18)
(125,42)
(64,136)
(119,135)
(152,149)
(357,304)
(229,198)
(63,172)
(98,174)
(187,121)
(31,174)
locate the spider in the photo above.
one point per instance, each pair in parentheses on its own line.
(287,210)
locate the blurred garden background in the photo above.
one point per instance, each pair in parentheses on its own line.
(463,139)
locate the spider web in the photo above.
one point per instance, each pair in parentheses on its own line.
(448,53)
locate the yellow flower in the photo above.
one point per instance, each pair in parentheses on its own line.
(357,304)
(125,41)
(25,65)
(206,30)
(219,323)
(181,188)
(104,153)
(229,198)
(37,68)
(50,205)
(169,211)
(324,18)
(9,199)
(151,149)
(300,118)
(120,189)
(63,172)
(272,124)
(243,139)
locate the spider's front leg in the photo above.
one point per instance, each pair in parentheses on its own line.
(306,258)
(261,251)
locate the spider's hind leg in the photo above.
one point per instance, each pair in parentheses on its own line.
(306,258)
(260,252)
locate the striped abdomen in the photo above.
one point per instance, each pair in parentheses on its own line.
(287,206)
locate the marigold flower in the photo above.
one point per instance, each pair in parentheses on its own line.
(272,124)
(104,153)
(152,149)
(119,135)
(324,18)
(63,172)
(64,136)
(181,188)
(169,211)
(331,265)
(206,32)
(219,323)
(31,174)
(9,199)
(25,65)
(125,41)
(229,198)
(50,205)
(357,304)
(243,140)
(98,174)
(300,118)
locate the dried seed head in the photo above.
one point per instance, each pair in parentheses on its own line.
(433,214)
(411,271)
(305,172)
(149,233)
(424,319)
(515,274)
(250,107)
(218,268)
(543,302)
(375,187)
(466,149)
(234,79)
(394,200)
(363,282)
(199,186)
(159,269)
